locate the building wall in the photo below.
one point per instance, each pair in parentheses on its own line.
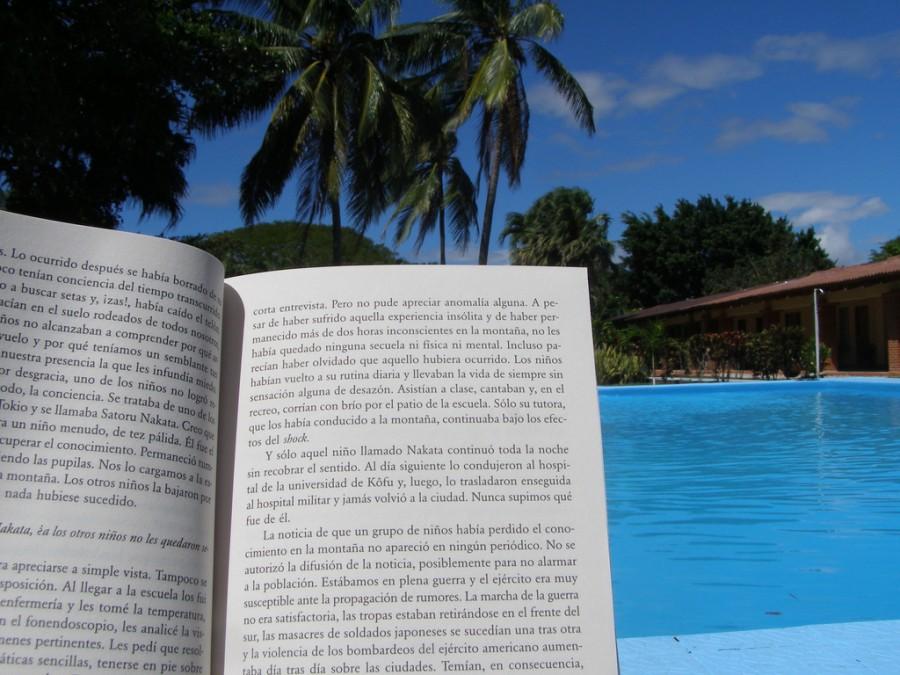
(861,325)
(860,347)
(892,329)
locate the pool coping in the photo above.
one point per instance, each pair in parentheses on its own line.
(621,388)
(864,647)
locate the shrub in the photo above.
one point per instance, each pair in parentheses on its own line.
(761,355)
(675,356)
(626,355)
(808,356)
(779,349)
(616,366)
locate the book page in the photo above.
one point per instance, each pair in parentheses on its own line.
(109,360)
(418,481)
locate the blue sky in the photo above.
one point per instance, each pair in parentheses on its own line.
(795,105)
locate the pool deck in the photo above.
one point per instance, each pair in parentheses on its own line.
(864,647)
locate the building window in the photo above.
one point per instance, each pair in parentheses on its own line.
(712,325)
(742,325)
(792,319)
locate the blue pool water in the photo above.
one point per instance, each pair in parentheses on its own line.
(744,506)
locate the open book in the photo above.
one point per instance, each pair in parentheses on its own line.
(344,470)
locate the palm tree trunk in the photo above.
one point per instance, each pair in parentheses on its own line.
(335,232)
(493,180)
(442,231)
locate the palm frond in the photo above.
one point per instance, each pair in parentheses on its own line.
(374,13)
(372,98)
(460,199)
(270,167)
(566,84)
(541,20)
(474,92)
(267,33)
(415,203)
(502,70)
(486,133)
(513,127)
(515,226)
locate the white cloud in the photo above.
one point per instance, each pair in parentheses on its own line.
(641,163)
(709,72)
(674,75)
(860,55)
(811,208)
(602,91)
(835,239)
(665,79)
(580,146)
(218,194)
(626,166)
(651,94)
(832,215)
(807,123)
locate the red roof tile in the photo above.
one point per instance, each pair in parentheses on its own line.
(837,277)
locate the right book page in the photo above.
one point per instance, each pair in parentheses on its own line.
(418,481)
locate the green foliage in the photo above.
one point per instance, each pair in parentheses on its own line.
(707,247)
(808,356)
(616,366)
(100,100)
(622,337)
(768,354)
(887,250)
(775,350)
(286,245)
(716,353)
(675,356)
(632,353)
(559,230)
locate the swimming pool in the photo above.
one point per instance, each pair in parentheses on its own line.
(746,506)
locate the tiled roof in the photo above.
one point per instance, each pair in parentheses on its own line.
(837,277)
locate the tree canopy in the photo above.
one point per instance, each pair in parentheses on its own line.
(285,245)
(710,246)
(559,230)
(103,101)
(99,101)
(887,250)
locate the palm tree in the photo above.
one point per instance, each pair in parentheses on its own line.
(494,40)
(324,125)
(559,230)
(437,183)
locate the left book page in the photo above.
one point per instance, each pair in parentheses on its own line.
(109,372)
